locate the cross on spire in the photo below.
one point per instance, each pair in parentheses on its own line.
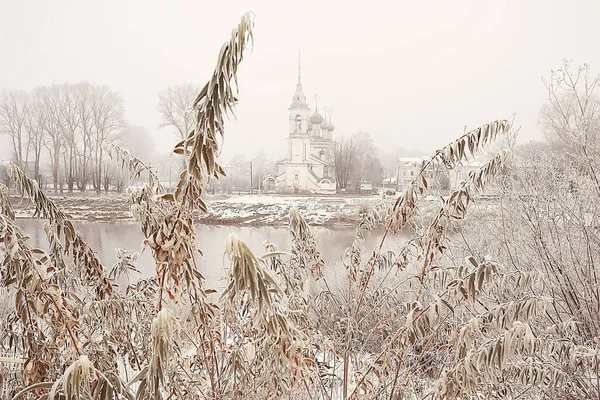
(327,111)
(316,97)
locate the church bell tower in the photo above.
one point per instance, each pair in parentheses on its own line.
(298,138)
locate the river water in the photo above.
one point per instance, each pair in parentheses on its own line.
(105,238)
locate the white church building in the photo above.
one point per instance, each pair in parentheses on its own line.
(309,164)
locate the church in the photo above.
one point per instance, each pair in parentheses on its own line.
(309,164)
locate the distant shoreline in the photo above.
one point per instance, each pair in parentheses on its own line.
(246,210)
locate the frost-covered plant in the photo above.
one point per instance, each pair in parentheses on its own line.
(429,318)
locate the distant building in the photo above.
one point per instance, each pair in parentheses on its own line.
(309,163)
(408,168)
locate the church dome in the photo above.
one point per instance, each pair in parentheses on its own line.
(316,118)
(325,125)
(331,126)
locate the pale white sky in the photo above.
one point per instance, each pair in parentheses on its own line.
(410,73)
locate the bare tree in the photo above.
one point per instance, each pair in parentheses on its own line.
(35,122)
(368,165)
(175,107)
(344,155)
(71,119)
(571,118)
(108,117)
(109,176)
(49,97)
(13,110)
(356,160)
(84,93)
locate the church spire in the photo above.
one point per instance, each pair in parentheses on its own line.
(299,70)
(299,100)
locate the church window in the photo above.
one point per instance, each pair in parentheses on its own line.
(296,176)
(298,125)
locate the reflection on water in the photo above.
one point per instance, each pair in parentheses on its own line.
(104,238)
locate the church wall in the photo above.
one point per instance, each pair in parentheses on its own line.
(318,170)
(297,176)
(300,149)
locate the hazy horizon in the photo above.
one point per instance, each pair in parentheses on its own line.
(412,76)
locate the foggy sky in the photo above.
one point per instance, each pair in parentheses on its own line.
(412,74)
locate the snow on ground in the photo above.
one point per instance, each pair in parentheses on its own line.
(273,210)
(249,210)
(243,210)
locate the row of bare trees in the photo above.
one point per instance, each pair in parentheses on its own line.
(70,124)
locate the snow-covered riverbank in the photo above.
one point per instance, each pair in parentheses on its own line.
(273,210)
(248,210)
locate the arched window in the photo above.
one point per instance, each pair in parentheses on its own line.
(298,126)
